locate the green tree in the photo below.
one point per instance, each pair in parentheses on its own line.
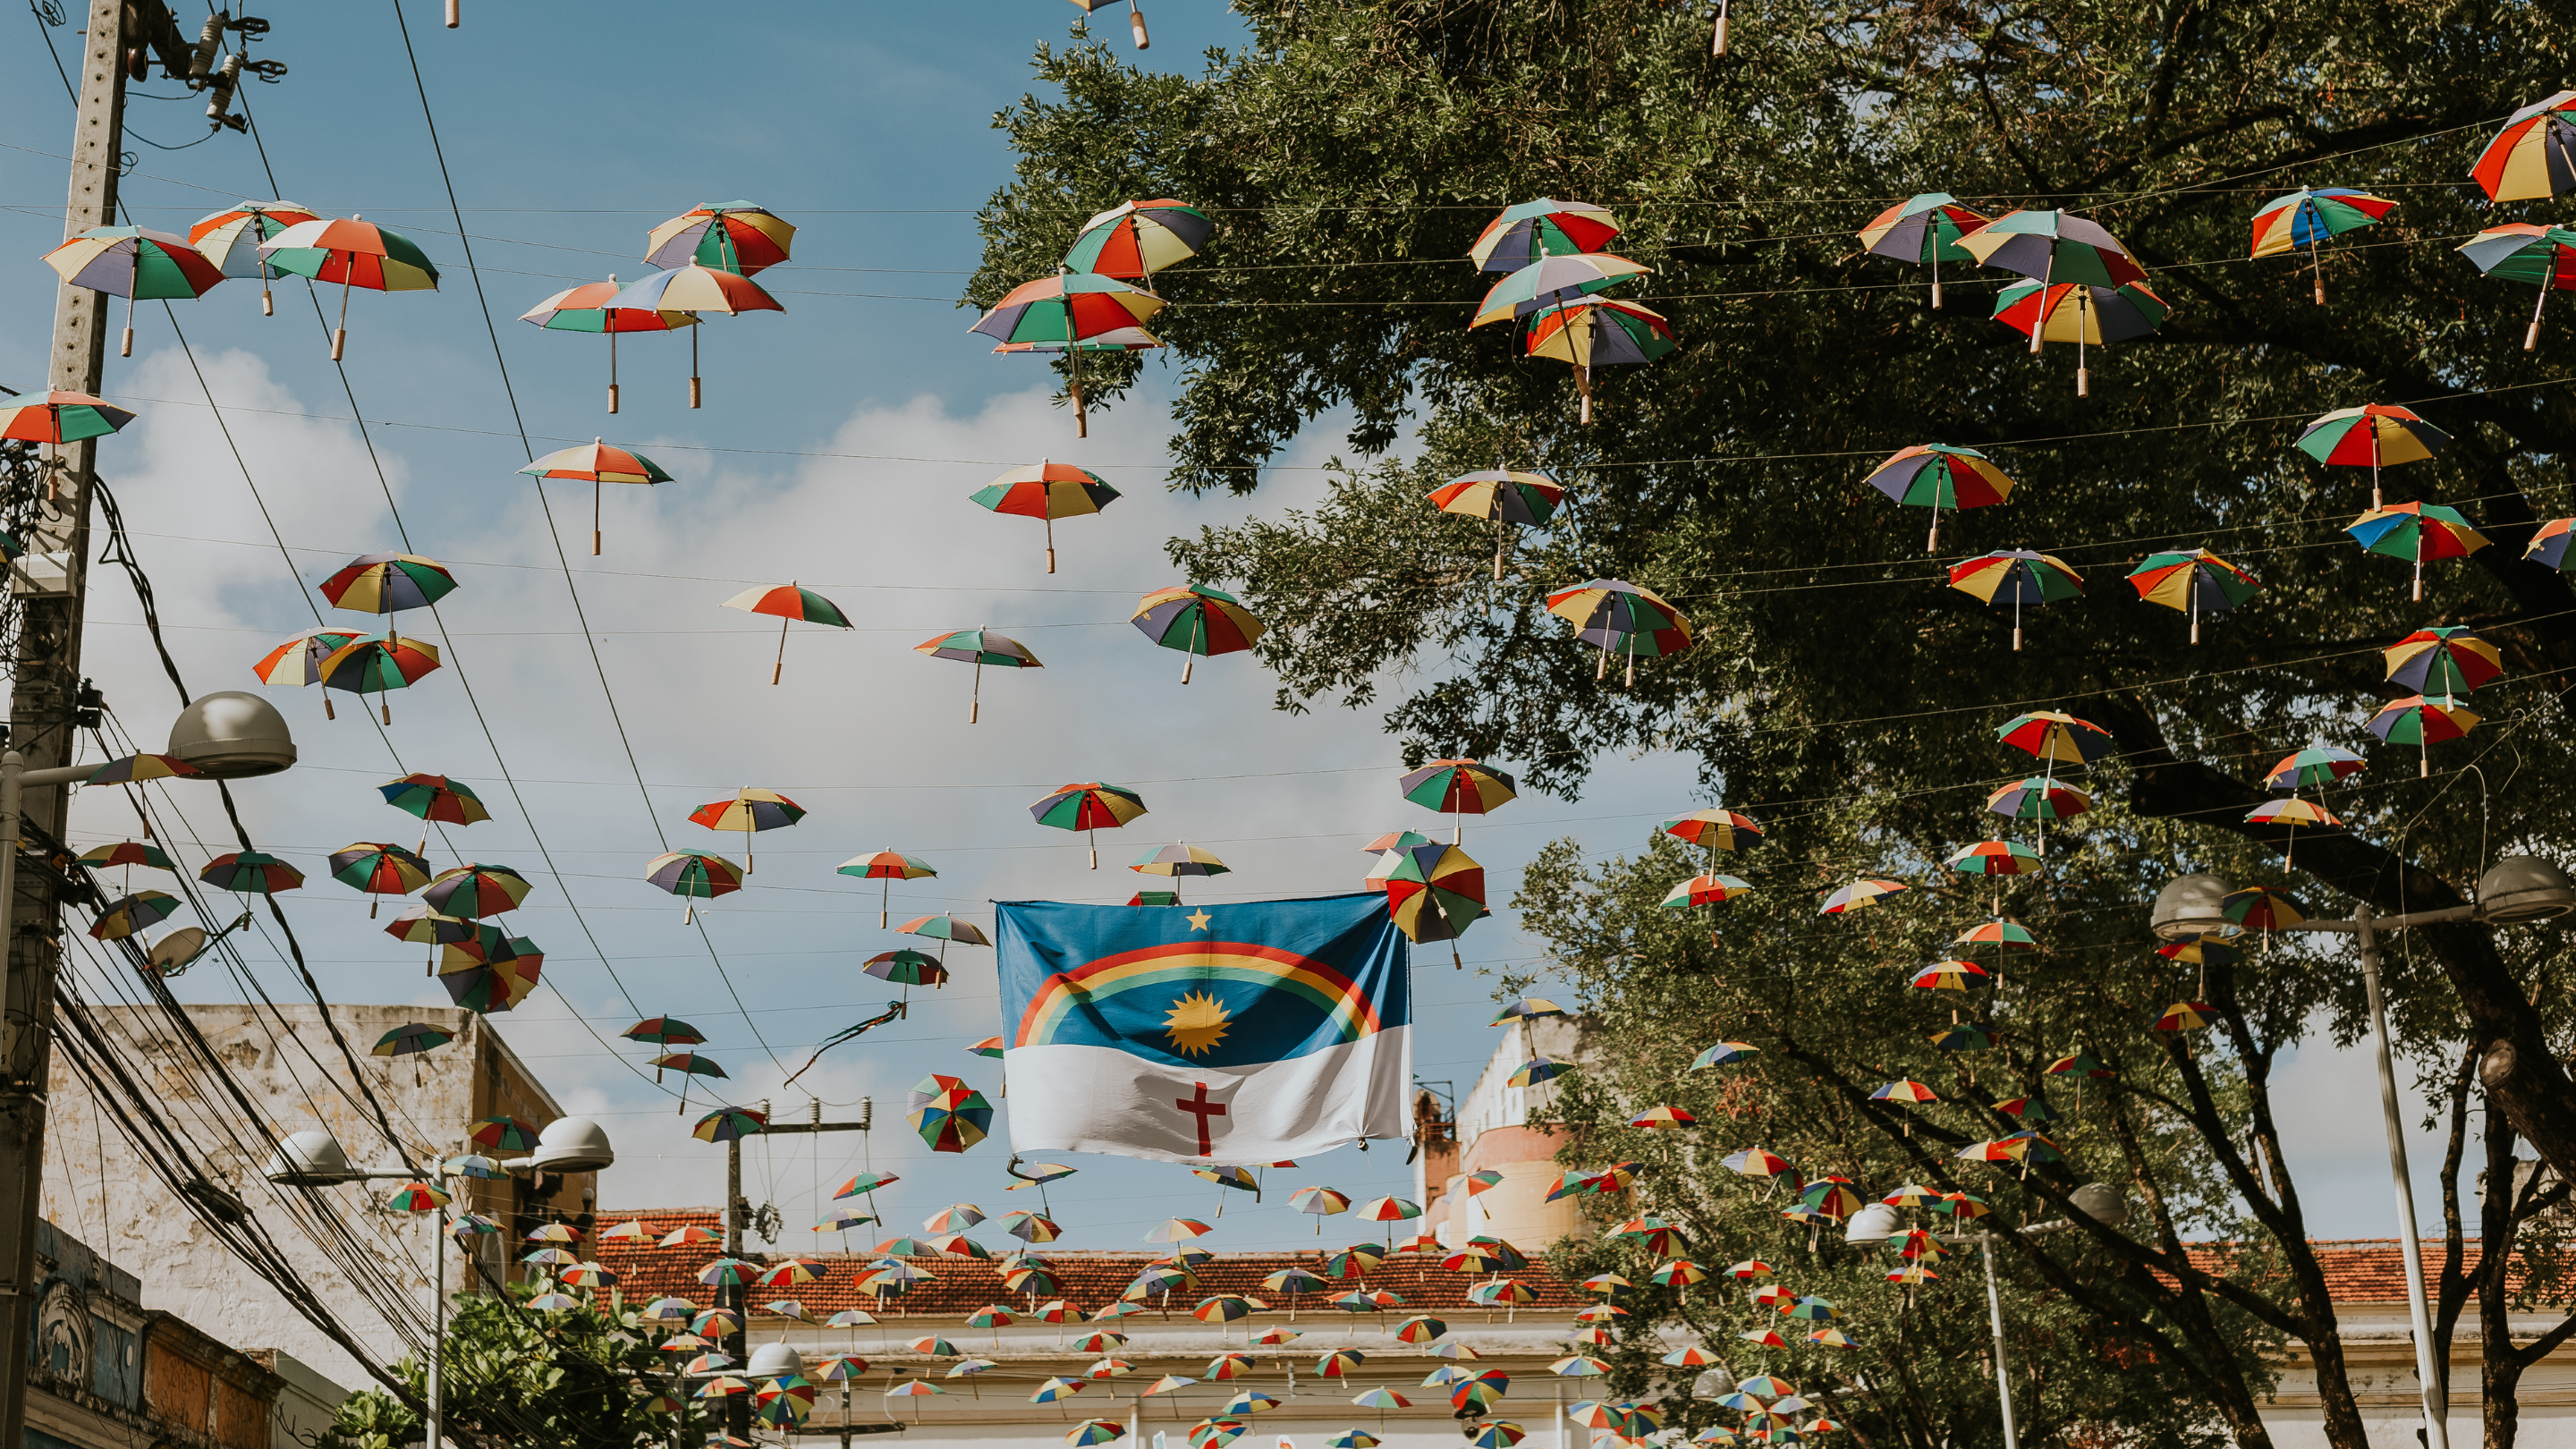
(578,1376)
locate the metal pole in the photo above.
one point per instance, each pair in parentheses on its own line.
(44,690)
(1995,1321)
(2436,1412)
(12,766)
(736,1343)
(438,1315)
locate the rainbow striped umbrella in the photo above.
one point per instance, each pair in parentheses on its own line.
(1598,332)
(731,236)
(354,253)
(1724,1054)
(1924,228)
(2290,814)
(434,798)
(231,239)
(2416,531)
(128,854)
(2258,908)
(1552,280)
(2534,156)
(1705,890)
(1504,496)
(595,463)
(127,915)
(2069,312)
(2038,798)
(410,1038)
(136,264)
(1047,490)
(416,1197)
(249,872)
(1938,476)
(695,289)
(1860,894)
(2192,582)
(1458,787)
(298,661)
(732,1124)
(694,875)
(2017,576)
(2549,543)
(1087,807)
(2369,436)
(2307,217)
(593,307)
(2054,247)
(494,971)
(1135,239)
(385,583)
(1715,827)
(379,868)
(749,810)
(1619,616)
(2448,659)
(788,603)
(2421,722)
(2518,251)
(378,664)
(1950,976)
(135,769)
(2318,764)
(1435,893)
(59,417)
(1535,230)
(888,866)
(476,890)
(1069,308)
(980,647)
(1196,620)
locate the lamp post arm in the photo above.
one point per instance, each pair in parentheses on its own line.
(2388,923)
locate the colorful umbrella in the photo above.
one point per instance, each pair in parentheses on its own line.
(1458,787)
(2446,660)
(434,798)
(299,660)
(1135,239)
(1087,807)
(2055,247)
(1504,496)
(788,603)
(731,1124)
(694,874)
(1617,616)
(2318,764)
(1862,893)
(731,236)
(492,971)
(1534,230)
(231,239)
(2521,252)
(2548,544)
(981,647)
(407,1039)
(379,869)
(2260,908)
(2307,217)
(2291,814)
(598,462)
(1924,228)
(1196,620)
(126,915)
(1068,308)
(1994,858)
(2534,156)
(1717,828)
(1598,332)
(251,873)
(1705,890)
(695,289)
(128,854)
(593,307)
(2422,723)
(906,968)
(748,811)
(1938,476)
(2416,531)
(476,890)
(1050,491)
(1950,976)
(1550,281)
(1179,859)
(136,264)
(948,1114)
(2017,576)
(2057,738)
(1435,893)
(2066,312)
(59,417)
(2192,582)
(376,664)
(1724,1054)
(354,253)
(382,583)
(2369,436)
(2038,798)
(888,866)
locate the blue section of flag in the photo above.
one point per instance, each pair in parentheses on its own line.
(1206,986)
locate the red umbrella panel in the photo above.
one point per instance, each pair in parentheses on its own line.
(592,307)
(2534,156)
(1049,491)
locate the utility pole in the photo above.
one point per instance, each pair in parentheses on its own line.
(739,1405)
(45,691)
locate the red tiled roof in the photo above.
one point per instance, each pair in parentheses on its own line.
(959,1286)
(2361,1270)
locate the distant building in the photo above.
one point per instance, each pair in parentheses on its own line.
(1491,1132)
(285,1059)
(109,1373)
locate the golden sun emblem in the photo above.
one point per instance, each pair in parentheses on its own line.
(1195,1023)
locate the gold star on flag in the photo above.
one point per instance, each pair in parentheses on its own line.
(1198,920)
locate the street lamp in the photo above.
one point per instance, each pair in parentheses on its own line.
(2515,890)
(314,1158)
(1877,1222)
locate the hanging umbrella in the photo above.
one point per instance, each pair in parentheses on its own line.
(1860,894)
(2534,156)
(1534,230)
(251,873)
(980,647)
(596,462)
(377,664)
(2068,312)
(731,1124)
(2518,251)
(729,236)
(2548,544)
(136,769)
(1705,890)
(2053,246)
(2319,764)
(136,264)
(592,307)
(1552,280)
(947,1114)
(2260,908)
(1994,858)
(749,810)
(695,875)
(1435,893)
(1135,239)
(352,253)
(383,583)
(2017,577)
(379,869)
(1050,491)
(2416,531)
(1458,787)
(412,1037)
(435,799)
(476,890)
(1178,860)
(2191,582)
(2445,660)
(2038,798)
(1620,617)
(1599,332)
(2416,720)
(1924,228)
(59,417)
(2058,738)
(1087,807)
(127,915)
(788,603)
(299,660)
(694,289)
(1717,828)
(947,928)
(231,240)
(1504,496)
(493,971)
(1322,1202)
(2369,436)
(1938,476)
(128,854)
(2290,814)
(888,866)
(2307,217)
(1724,1054)
(1950,976)
(1196,620)
(1068,307)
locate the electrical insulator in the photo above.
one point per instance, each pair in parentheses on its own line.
(219,106)
(867,1113)
(209,40)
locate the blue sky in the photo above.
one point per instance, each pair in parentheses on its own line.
(837,446)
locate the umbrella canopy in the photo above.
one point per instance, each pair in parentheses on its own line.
(379,868)
(1504,496)
(435,799)
(2544,256)
(2054,247)
(1598,332)
(1458,787)
(695,289)
(136,264)
(886,867)
(1619,617)
(1938,476)
(1535,230)
(2416,531)
(1994,857)
(980,647)
(383,583)
(2449,659)
(947,928)
(906,968)
(128,914)
(1135,239)
(2548,546)
(1551,280)
(1859,895)
(251,873)
(1435,893)
(2423,723)
(476,890)
(2038,798)
(732,236)
(1179,859)
(1068,308)
(2193,582)
(664,1031)
(1196,620)
(788,603)
(59,417)
(1088,807)
(947,1114)
(490,971)
(749,810)
(1724,1054)
(376,664)
(2534,156)
(1924,228)
(2319,764)
(728,1124)
(594,307)
(408,1039)
(231,239)
(2370,436)
(597,462)
(2017,576)
(1047,490)
(1716,827)
(2083,315)
(694,875)
(2308,217)
(353,253)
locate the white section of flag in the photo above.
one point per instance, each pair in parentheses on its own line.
(1068,1098)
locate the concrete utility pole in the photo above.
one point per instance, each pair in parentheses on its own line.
(48,674)
(737,1214)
